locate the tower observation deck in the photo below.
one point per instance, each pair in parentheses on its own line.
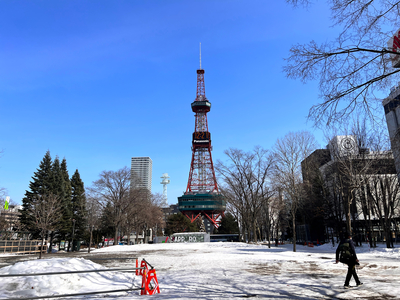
(202,198)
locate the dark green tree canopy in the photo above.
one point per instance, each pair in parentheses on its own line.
(52,179)
(228,225)
(42,184)
(180,223)
(107,228)
(78,205)
(65,198)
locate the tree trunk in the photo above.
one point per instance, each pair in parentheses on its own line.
(348,217)
(268,228)
(116,236)
(369,235)
(294,230)
(277,232)
(129,237)
(41,247)
(388,234)
(51,241)
(91,238)
(254,231)
(241,231)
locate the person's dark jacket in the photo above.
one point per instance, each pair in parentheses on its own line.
(352,249)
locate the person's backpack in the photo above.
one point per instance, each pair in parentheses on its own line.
(345,252)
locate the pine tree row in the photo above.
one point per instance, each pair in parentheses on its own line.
(51,181)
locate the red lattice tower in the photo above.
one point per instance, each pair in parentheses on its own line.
(202,198)
(201,176)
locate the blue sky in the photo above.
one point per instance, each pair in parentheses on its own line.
(98,82)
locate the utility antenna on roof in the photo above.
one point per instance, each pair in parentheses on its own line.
(200,56)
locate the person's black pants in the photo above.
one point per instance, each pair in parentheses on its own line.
(351,271)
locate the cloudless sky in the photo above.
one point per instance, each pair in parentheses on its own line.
(98,82)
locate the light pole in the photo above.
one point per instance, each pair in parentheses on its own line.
(73,233)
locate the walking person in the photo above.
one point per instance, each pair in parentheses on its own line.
(346,253)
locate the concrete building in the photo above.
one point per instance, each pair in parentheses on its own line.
(9,222)
(168,211)
(347,175)
(141,168)
(391,106)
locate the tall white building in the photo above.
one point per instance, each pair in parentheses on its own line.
(142,168)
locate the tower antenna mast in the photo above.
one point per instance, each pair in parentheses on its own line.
(200,56)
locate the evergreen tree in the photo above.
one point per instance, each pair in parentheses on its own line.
(228,225)
(42,184)
(57,179)
(106,221)
(179,223)
(58,191)
(66,199)
(78,206)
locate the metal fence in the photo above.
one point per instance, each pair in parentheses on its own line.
(22,246)
(144,288)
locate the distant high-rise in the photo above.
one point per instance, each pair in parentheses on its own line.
(141,167)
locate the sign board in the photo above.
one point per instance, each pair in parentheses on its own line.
(394,45)
(343,145)
(7,202)
(189,237)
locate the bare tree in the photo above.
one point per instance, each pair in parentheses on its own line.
(155,214)
(93,216)
(3,193)
(113,188)
(46,210)
(247,187)
(143,213)
(354,65)
(278,215)
(384,191)
(379,197)
(361,180)
(348,172)
(348,177)
(289,152)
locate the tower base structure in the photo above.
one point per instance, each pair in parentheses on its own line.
(211,206)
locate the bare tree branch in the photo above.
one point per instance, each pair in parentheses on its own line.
(46,210)
(247,188)
(113,188)
(355,65)
(289,152)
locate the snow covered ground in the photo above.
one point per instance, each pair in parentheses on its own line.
(214,271)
